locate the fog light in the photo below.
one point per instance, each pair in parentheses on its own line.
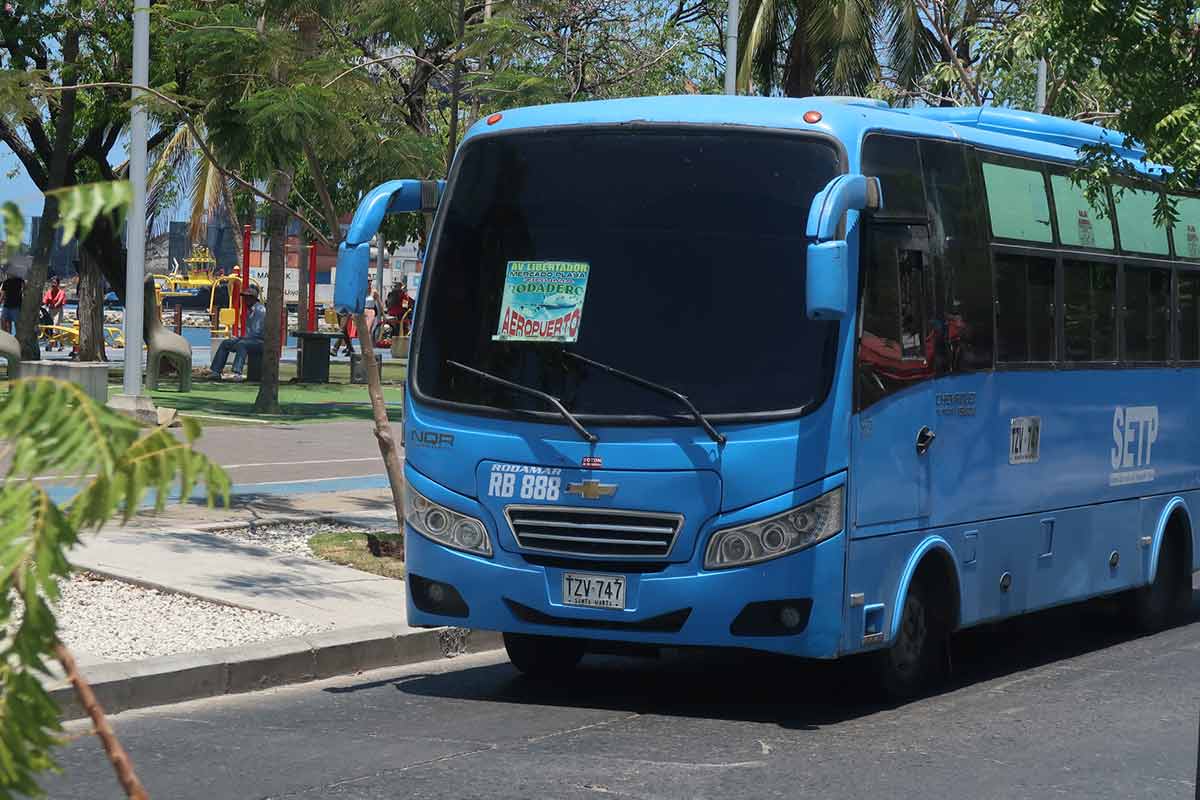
(437,593)
(790,617)
(436,597)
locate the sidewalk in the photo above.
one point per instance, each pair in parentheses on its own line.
(362,616)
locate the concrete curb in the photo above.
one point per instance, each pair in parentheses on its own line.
(121,686)
(355,518)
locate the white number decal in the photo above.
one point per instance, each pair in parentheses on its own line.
(533,487)
(501,484)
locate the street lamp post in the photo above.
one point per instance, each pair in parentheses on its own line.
(135,264)
(731,39)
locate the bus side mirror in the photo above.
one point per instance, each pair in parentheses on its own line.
(827,285)
(354,253)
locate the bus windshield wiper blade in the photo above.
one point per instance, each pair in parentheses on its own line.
(666,391)
(587,435)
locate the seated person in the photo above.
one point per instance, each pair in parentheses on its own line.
(242,346)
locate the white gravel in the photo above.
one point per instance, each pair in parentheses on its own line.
(110,620)
(289,539)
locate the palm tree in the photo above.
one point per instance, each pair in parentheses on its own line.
(181,166)
(818,47)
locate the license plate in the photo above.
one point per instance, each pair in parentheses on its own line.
(594,591)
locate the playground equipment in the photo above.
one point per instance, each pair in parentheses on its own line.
(164,344)
(10,351)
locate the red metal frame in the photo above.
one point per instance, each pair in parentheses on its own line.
(312,288)
(240,326)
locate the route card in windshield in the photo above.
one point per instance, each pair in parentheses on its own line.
(542,301)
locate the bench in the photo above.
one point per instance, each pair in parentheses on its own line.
(92,377)
(10,351)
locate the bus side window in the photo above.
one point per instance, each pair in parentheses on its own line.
(894,346)
(960,262)
(1147,314)
(910,269)
(1189,316)
(1024,309)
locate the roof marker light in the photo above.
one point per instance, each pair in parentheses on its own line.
(812,117)
(494,118)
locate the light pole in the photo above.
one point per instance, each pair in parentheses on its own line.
(731,38)
(1041,86)
(135,263)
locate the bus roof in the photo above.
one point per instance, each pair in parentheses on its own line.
(848,119)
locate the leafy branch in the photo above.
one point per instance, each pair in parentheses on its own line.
(53,427)
(206,149)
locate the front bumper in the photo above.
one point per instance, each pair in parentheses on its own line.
(680,605)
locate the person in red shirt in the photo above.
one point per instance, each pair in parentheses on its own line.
(398,306)
(55,300)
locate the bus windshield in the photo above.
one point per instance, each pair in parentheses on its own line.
(682,248)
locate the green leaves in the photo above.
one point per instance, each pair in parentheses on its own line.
(52,429)
(79,206)
(14,224)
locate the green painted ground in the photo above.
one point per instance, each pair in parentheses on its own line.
(233,403)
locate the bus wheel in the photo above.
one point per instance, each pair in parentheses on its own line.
(543,656)
(916,658)
(1162,602)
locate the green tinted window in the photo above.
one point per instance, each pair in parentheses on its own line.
(1079,223)
(1017,203)
(1135,221)
(1186,232)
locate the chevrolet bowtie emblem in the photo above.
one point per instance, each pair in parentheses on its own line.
(592,490)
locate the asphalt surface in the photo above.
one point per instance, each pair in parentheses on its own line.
(1063,704)
(310,453)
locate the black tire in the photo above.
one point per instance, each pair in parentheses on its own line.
(916,661)
(543,656)
(1165,600)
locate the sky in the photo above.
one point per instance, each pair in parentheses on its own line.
(19,189)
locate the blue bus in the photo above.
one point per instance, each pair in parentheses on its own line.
(818,377)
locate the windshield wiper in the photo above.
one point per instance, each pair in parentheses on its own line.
(666,391)
(587,435)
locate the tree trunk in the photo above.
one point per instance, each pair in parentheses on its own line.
(28,329)
(383,428)
(268,390)
(64,124)
(90,310)
(800,72)
(103,243)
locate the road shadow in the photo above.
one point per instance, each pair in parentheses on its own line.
(792,693)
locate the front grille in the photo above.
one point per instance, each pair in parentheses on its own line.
(671,622)
(596,533)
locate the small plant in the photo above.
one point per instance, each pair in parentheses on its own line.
(51,427)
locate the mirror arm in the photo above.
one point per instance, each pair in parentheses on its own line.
(354,253)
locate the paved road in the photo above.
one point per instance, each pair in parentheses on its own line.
(304,456)
(1056,706)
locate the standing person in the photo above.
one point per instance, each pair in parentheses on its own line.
(10,302)
(371,310)
(242,346)
(346,325)
(55,300)
(399,303)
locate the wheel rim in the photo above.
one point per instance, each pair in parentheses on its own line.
(910,639)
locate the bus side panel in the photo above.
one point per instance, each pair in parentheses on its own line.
(1049,559)
(1103,435)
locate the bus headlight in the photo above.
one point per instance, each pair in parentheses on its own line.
(445,526)
(796,529)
